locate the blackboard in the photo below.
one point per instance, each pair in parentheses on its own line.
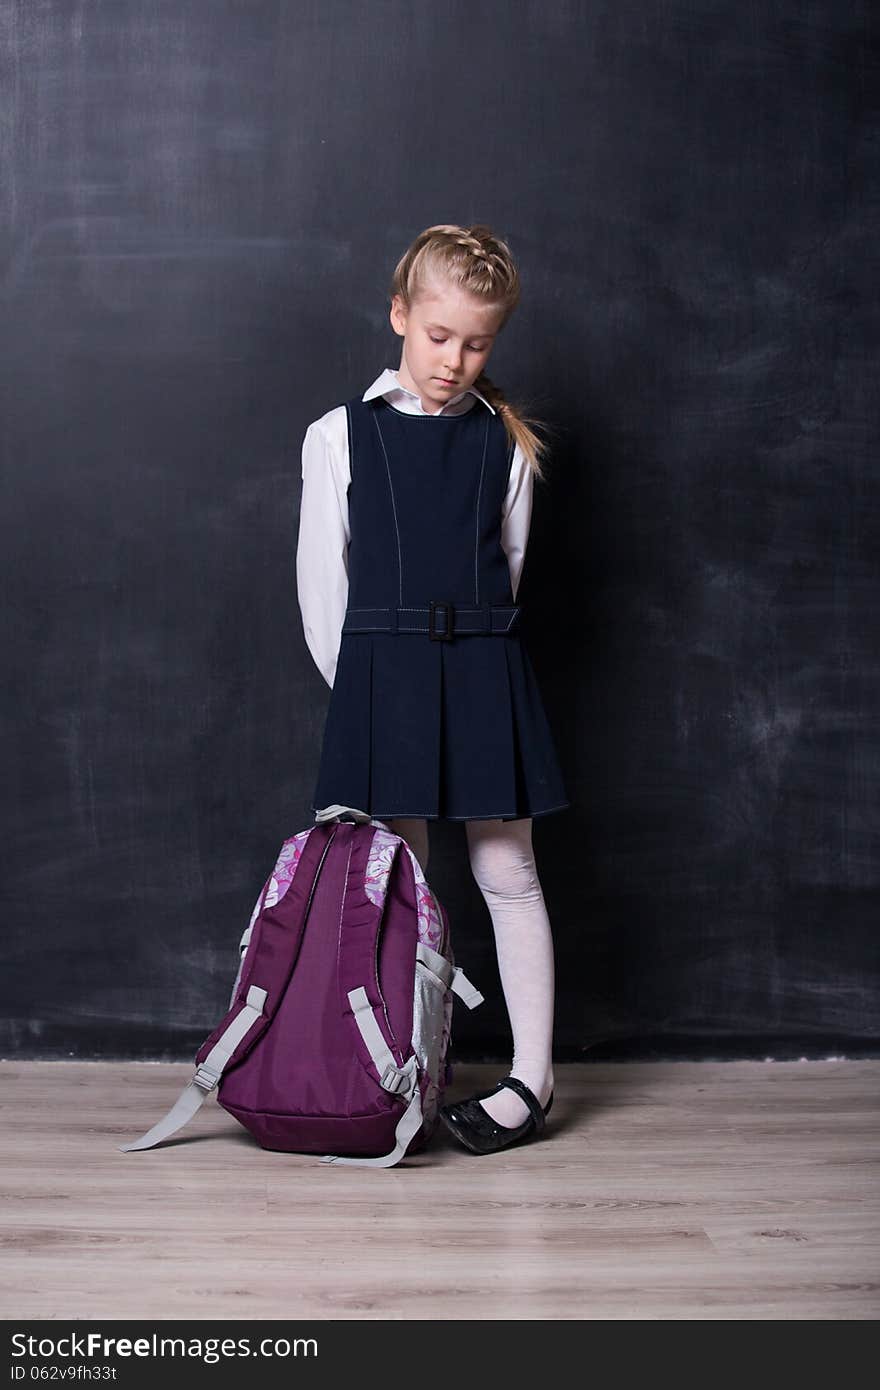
(203,205)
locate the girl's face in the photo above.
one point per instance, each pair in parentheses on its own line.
(448,335)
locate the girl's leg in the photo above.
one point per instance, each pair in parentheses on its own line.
(415,832)
(503,863)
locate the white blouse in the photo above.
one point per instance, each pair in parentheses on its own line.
(324,533)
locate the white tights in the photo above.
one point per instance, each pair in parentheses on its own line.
(502,861)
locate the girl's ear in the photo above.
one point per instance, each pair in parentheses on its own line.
(397,315)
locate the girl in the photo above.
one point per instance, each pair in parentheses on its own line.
(416,505)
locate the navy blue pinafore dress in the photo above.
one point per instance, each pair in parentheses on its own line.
(435,710)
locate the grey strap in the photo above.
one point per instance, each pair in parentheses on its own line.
(207,1074)
(242,950)
(402,1081)
(435,962)
(467,992)
(452,976)
(407,1125)
(373,1037)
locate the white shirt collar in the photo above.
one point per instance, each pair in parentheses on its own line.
(387,384)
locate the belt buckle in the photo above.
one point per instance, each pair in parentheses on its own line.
(446,634)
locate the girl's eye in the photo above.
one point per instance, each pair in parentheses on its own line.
(473,347)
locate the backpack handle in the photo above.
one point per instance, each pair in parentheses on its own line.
(340,813)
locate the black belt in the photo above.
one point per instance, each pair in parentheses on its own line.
(441,620)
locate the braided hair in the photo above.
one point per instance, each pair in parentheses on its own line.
(472,259)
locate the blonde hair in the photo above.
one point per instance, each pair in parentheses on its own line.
(474,260)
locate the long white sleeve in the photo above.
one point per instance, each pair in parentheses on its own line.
(322,547)
(516,515)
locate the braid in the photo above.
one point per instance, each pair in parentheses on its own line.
(477,249)
(516,423)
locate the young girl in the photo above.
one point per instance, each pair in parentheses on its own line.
(416,505)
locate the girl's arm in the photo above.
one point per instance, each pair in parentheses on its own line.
(322,547)
(516,515)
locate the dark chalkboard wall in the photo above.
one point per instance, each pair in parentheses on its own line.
(203,204)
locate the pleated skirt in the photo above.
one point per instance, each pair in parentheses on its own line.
(439,730)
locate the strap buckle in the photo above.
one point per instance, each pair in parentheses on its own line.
(394,1080)
(206,1078)
(445,633)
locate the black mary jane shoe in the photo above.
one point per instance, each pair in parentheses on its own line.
(475,1128)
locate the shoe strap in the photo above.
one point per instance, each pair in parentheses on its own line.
(529,1097)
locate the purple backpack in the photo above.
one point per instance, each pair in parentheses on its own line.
(340,1017)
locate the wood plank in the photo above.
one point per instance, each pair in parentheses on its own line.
(663,1190)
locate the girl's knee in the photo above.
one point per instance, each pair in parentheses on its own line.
(502,858)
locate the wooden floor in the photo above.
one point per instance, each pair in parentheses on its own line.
(661,1190)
